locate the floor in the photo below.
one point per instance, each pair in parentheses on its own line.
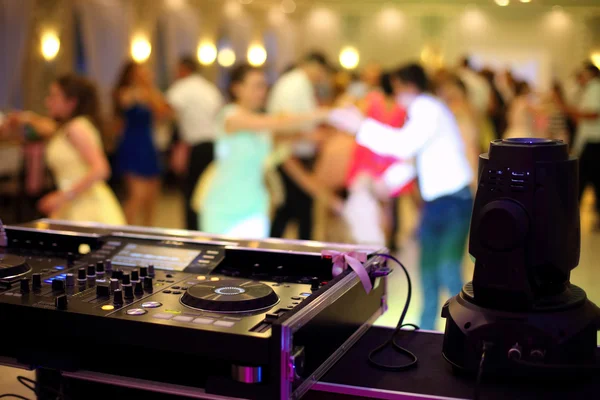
(586,275)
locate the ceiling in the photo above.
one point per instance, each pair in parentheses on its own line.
(370,3)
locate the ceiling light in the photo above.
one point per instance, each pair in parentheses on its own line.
(207,53)
(226,57)
(257,55)
(140,49)
(50,45)
(349,58)
(502,3)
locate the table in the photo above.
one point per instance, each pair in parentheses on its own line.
(354,378)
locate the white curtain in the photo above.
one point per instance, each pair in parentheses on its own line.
(181,33)
(14,30)
(106,27)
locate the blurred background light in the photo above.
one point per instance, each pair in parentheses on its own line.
(50,45)
(502,3)
(257,55)
(349,58)
(226,57)
(140,49)
(207,53)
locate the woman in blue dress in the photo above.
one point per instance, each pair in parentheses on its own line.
(236,202)
(138,104)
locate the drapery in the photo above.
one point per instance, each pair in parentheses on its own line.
(106,27)
(181,30)
(14,32)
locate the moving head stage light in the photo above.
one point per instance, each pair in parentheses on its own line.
(520,313)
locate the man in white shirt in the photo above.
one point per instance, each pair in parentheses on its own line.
(196,102)
(431,136)
(293,93)
(587,139)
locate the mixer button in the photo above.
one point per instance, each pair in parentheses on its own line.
(151,304)
(183,318)
(136,311)
(170,281)
(233,318)
(169,276)
(61,302)
(135,275)
(176,292)
(58,285)
(81,274)
(296,298)
(143,271)
(24,285)
(126,279)
(203,321)
(70,280)
(148,283)
(167,291)
(226,324)
(36,281)
(163,316)
(175,287)
(118,297)
(203,262)
(128,292)
(212,252)
(184,288)
(102,291)
(139,289)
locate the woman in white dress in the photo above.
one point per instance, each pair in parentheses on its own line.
(521,114)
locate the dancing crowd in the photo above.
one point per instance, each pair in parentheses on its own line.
(254,159)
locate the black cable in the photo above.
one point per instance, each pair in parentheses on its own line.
(25,381)
(479,375)
(401,324)
(16,396)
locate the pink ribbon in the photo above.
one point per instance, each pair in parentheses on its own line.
(355,260)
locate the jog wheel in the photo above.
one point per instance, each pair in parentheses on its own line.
(230,296)
(12,266)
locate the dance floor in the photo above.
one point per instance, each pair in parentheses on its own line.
(586,275)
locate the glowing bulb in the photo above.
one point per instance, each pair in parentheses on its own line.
(50,45)
(226,57)
(288,6)
(595,57)
(349,58)
(207,53)
(257,55)
(140,49)
(502,3)
(525,1)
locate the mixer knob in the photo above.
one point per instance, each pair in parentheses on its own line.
(100,268)
(148,284)
(314,284)
(118,274)
(61,302)
(24,285)
(102,291)
(135,275)
(143,272)
(118,297)
(70,259)
(91,271)
(70,280)
(114,284)
(81,275)
(37,281)
(108,265)
(58,285)
(128,292)
(139,289)
(151,270)
(126,279)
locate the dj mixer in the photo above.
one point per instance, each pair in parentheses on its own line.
(178,311)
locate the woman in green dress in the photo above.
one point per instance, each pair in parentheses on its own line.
(236,202)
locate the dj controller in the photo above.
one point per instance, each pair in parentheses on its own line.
(177,311)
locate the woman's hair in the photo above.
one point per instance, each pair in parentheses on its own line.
(84,92)
(125,80)
(238,75)
(521,87)
(414,74)
(386,84)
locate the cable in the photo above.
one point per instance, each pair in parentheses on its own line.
(401,324)
(25,381)
(480,374)
(16,396)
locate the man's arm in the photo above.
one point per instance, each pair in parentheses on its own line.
(405,142)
